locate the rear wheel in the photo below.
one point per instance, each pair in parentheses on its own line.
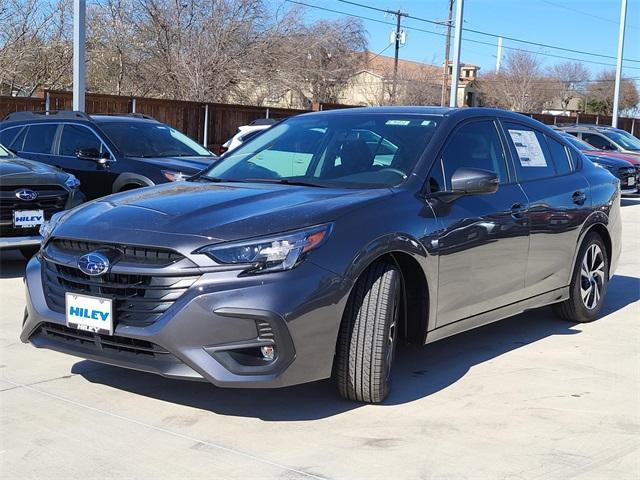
(368,335)
(588,284)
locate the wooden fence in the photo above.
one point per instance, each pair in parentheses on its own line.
(222,120)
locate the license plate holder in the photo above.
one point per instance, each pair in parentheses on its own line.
(631,181)
(89,313)
(28,218)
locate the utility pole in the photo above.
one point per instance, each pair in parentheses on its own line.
(79,29)
(455,73)
(499,55)
(616,93)
(447,49)
(398,35)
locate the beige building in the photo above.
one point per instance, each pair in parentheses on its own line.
(417,84)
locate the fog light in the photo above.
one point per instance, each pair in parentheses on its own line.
(268,352)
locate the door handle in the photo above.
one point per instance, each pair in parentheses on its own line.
(579,197)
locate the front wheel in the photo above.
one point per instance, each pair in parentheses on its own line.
(588,283)
(368,335)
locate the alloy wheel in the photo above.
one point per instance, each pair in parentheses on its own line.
(592,276)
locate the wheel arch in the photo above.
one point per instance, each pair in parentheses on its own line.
(416,267)
(128,178)
(597,223)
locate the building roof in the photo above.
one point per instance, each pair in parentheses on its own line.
(383,66)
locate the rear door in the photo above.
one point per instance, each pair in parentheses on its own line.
(484,239)
(558,197)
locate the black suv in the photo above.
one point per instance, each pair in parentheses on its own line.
(106,153)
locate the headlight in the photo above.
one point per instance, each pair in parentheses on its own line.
(71,182)
(47,227)
(270,254)
(174,176)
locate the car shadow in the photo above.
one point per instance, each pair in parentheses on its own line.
(12,264)
(629,201)
(418,373)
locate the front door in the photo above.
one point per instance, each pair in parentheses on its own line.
(96,180)
(483,241)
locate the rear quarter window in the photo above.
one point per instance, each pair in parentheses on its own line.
(560,156)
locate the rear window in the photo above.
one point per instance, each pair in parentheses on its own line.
(40,138)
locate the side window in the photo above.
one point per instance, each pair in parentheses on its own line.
(598,141)
(560,156)
(76,138)
(474,145)
(8,135)
(40,138)
(530,152)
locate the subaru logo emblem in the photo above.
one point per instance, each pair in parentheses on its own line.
(93,264)
(26,194)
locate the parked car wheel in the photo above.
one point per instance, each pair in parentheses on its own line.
(368,335)
(588,284)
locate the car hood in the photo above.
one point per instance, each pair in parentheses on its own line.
(185,215)
(609,161)
(21,172)
(620,156)
(190,165)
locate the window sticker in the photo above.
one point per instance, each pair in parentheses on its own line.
(403,123)
(528,147)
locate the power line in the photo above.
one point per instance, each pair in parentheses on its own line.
(479,42)
(581,12)
(513,39)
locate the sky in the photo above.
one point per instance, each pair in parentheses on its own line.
(585,25)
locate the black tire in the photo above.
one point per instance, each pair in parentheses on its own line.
(575,308)
(368,335)
(28,252)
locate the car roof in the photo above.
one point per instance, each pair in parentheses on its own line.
(58,116)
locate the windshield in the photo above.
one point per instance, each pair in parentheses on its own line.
(4,153)
(628,142)
(342,150)
(148,139)
(579,144)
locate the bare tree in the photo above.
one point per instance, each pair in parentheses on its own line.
(599,94)
(569,79)
(520,85)
(35,48)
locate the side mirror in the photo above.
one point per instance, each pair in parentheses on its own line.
(92,154)
(473,181)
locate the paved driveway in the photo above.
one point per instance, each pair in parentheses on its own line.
(528,397)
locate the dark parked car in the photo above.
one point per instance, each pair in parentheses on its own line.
(309,251)
(626,171)
(30,193)
(108,153)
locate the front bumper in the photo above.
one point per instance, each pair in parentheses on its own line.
(200,336)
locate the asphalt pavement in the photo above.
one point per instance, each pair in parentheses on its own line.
(530,397)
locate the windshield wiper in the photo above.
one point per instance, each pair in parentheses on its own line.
(284,181)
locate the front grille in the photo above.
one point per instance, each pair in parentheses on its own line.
(139,300)
(102,342)
(153,257)
(51,199)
